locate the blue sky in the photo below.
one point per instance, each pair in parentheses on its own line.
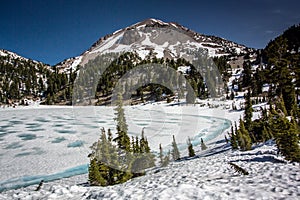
(52,30)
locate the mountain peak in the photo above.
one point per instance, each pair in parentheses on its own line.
(151,21)
(161,39)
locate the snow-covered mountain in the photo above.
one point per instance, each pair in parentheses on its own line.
(154,37)
(8,55)
(22,79)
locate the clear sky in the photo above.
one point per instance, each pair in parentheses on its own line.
(53,30)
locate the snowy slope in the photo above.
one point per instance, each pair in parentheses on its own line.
(12,56)
(207,176)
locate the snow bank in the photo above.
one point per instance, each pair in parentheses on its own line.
(207,176)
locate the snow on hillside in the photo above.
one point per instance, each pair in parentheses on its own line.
(10,54)
(13,55)
(206,176)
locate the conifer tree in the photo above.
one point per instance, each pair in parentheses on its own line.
(166,159)
(133,147)
(161,156)
(109,135)
(190,148)
(266,134)
(137,145)
(235,127)
(233,141)
(232,130)
(247,74)
(288,145)
(280,106)
(163,160)
(226,139)
(287,88)
(244,138)
(240,140)
(142,157)
(147,156)
(175,151)
(95,177)
(286,137)
(109,165)
(248,112)
(101,160)
(203,146)
(122,138)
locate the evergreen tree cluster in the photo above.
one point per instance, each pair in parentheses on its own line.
(278,66)
(240,138)
(175,153)
(273,124)
(117,160)
(111,70)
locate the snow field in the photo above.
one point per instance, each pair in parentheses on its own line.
(207,176)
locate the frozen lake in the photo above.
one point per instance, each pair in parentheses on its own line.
(53,142)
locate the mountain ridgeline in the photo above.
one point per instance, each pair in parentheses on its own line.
(23,80)
(154,42)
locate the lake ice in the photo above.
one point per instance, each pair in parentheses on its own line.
(53,142)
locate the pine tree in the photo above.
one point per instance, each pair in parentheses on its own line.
(175,151)
(107,166)
(166,160)
(235,127)
(233,141)
(244,138)
(95,177)
(122,138)
(161,156)
(203,146)
(280,106)
(137,145)
(133,145)
(109,135)
(248,112)
(148,157)
(247,80)
(226,139)
(190,148)
(266,134)
(289,96)
(288,145)
(286,136)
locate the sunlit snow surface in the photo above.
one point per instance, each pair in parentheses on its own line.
(50,143)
